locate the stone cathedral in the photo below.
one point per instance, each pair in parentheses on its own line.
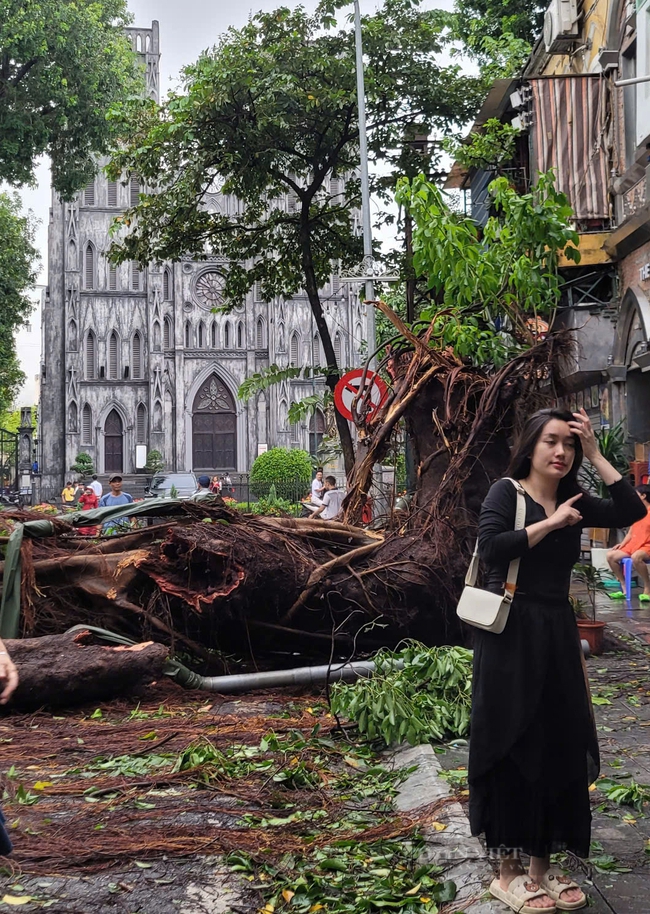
(135,359)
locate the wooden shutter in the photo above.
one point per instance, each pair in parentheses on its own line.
(89,194)
(134,191)
(140,424)
(87,425)
(112,357)
(337,349)
(166,286)
(136,361)
(167,334)
(259,343)
(90,355)
(89,267)
(294,351)
(315,350)
(135,276)
(112,278)
(112,193)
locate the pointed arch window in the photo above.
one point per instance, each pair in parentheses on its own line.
(357,339)
(213,335)
(294,350)
(136,355)
(337,350)
(201,335)
(91,356)
(87,425)
(156,336)
(188,334)
(89,266)
(111,194)
(240,335)
(113,360)
(226,335)
(134,190)
(316,432)
(167,285)
(112,277)
(315,350)
(72,336)
(167,333)
(141,424)
(259,334)
(72,417)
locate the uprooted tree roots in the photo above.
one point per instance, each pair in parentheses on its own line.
(213,582)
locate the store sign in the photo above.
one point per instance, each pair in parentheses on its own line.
(644,272)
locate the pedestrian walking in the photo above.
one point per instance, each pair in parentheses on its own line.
(112,499)
(68,495)
(96,486)
(88,502)
(533,748)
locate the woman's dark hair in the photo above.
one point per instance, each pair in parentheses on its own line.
(522,452)
(644,490)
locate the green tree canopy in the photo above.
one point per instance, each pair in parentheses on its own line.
(489,287)
(62,66)
(270,116)
(18,270)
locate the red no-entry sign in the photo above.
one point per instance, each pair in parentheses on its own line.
(348,388)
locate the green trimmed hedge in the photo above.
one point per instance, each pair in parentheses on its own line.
(288,469)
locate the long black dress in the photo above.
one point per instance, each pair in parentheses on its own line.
(533,745)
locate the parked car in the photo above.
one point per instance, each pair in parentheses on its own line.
(161,485)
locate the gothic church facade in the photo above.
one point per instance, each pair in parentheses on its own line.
(136,359)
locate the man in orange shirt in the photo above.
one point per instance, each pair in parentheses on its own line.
(636,546)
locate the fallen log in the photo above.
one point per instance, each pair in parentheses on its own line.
(71,669)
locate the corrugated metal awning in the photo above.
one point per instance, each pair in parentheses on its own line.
(568,135)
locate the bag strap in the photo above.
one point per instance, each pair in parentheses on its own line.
(513,567)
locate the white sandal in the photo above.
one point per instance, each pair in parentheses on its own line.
(554,882)
(521,890)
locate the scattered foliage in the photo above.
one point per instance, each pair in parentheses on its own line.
(426,700)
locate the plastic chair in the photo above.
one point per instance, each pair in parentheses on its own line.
(627,570)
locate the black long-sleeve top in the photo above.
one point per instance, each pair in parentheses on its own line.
(545,569)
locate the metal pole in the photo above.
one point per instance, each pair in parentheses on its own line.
(633,81)
(365,184)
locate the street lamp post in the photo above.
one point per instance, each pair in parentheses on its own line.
(365,183)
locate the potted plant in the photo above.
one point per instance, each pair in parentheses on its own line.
(589,627)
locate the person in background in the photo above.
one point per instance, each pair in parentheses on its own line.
(317,488)
(88,502)
(113,498)
(332,500)
(226,485)
(96,486)
(67,495)
(204,491)
(215,486)
(636,546)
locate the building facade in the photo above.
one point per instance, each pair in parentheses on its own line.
(137,359)
(577,118)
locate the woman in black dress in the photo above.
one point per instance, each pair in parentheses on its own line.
(533,746)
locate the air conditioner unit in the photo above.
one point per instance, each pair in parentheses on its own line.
(561,26)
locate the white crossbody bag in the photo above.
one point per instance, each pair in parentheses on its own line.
(482,608)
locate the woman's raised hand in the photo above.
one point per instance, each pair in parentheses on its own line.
(566,515)
(581,426)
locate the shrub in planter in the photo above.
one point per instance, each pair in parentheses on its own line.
(288,469)
(155,462)
(83,464)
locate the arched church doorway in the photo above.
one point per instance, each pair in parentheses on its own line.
(214,427)
(113,443)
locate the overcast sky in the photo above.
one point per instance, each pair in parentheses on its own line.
(187,27)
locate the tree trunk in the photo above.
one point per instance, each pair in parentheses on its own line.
(65,670)
(333,374)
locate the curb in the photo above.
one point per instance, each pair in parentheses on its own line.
(462,856)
